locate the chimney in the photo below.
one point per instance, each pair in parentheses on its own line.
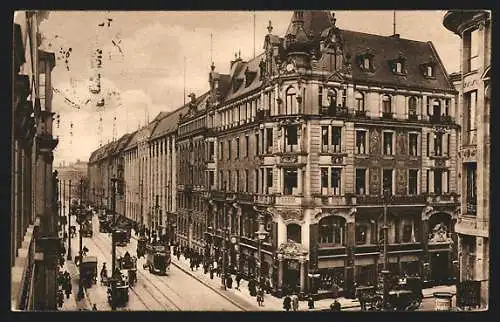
(395,36)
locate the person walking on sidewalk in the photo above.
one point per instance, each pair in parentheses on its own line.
(211,269)
(287,303)
(178,254)
(260,297)
(238,280)
(295,302)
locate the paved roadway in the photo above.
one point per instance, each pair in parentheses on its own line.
(177,291)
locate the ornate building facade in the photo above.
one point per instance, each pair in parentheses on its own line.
(34,212)
(472,227)
(302,141)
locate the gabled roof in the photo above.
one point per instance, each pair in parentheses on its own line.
(253,66)
(121,143)
(132,142)
(168,124)
(386,49)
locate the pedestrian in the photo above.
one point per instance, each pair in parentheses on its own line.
(178,255)
(336,306)
(211,269)
(238,279)
(268,285)
(310,302)
(94,307)
(260,296)
(295,302)
(229,281)
(68,287)
(287,303)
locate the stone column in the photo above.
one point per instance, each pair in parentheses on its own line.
(280,275)
(302,261)
(299,180)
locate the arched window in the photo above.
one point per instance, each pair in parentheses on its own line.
(290,100)
(332,98)
(293,232)
(412,106)
(386,104)
(360,101)
(332,230)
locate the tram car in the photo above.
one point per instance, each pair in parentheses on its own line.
(87,229)
(122,237)
(117,292)
(128,266)
(88,271)
(104,226)
(157,258)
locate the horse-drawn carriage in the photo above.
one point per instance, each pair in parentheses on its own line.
(141,246)
(104,226)
(129,264)
(157,258)
(117,292)
(405,294)
(88,271)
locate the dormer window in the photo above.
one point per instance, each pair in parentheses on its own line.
(365,62)
(398,65)
(430,71)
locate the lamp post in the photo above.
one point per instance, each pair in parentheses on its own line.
(113,205)
(261,234)
(385,272)
(69,222)
(81,218)
(234,240)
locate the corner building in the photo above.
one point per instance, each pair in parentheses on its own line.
(308,135)
(472,227)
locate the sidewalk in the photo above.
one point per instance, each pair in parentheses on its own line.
(242,296)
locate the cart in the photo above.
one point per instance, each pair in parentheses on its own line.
(88,271)
(117,292)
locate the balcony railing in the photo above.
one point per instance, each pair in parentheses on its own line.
(394,199)
(388,115)
(335,111)
(264,199)
(412,117)
(471,208)
(441,119)
(244,197)
(361,114)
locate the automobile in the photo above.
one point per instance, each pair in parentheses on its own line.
(404,294)
(157,258)
(122,237)
(117,292)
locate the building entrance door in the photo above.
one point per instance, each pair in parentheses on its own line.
(291,278)
(439,267)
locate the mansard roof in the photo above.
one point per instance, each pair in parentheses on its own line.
(168,124)
(315,21)
(247,84)
(387,48)
(121,143)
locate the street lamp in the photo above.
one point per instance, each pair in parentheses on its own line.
(385,272)
(81,219)
(69,222)
(113,205)
(234,240)
(261,234)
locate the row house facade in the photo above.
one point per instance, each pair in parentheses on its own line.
(305,139)
(472,227)
(34,240)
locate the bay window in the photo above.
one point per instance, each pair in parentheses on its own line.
(332,231)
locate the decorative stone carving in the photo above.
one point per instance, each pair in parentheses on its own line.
(426,213)
(292,250)
(375,181)
(288,214)
(440,234)
(375,142)
(289,159)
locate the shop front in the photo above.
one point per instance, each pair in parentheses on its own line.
(292,269)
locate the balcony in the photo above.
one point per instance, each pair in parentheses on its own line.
(472,226)
(394,199)
(441,119)
(451,198)
(360,114)
(387,116)
(244,197)
(338,111)
(412,117)
(219,195)
(331,200)
(264,199)
(288,200)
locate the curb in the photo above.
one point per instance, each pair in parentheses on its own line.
(211,287)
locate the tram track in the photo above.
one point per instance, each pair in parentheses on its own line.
(171,304)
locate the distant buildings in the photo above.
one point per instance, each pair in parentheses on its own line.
(474,28)
(303,141)
(74,172)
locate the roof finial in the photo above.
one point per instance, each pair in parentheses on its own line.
(239,53)
(235,55)
(270,27)
(212,67)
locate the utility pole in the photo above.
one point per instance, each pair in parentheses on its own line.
(113,209)
(81,218)
(69,222)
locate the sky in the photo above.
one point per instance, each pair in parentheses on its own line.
(143,55)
